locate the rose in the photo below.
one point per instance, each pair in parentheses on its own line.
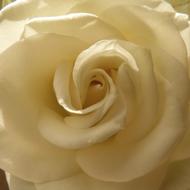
(94,95)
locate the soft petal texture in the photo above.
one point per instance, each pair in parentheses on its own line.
(178,176)
(13,17)
(81,181)
(186,37)
(182,150)
(135,15)
(72,78)
(34,161)
(55,130)
(79,25)
(128,161)
(32,90)
(18,184)
(35,62)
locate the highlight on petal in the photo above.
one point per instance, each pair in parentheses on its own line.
(79,25)
(57,131)
(101,60)
(14,16)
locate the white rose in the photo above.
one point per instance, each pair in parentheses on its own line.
(94,95)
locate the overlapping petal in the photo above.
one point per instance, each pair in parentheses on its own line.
(35,161)
(134,13)
(128,161)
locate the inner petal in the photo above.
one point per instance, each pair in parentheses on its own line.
(96,92)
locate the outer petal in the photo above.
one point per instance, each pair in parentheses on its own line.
(26,78)
(79,25)
(81,181)
(182,150)
(186,37)
(34,161)
(14,16)
(151,35)
(18,184)
(178,176)
(26,83)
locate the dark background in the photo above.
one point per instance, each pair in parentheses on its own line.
(3,182)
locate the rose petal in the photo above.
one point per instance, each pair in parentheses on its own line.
(79,25)
(150,35)
(18,184)
(55,129)
(35,161)
(182,150)
(14,16)
(27,71)
(98,6)
(177,177)
(82,117)
(83,182)
(129,161)
(145,95)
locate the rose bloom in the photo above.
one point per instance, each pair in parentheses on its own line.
(94,95)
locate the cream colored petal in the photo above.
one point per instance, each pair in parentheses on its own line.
(82,117)
(178,176)
(26,78)
(35,161)
(14,16)
(186,37)
(151,35)
(83,182)
(56,130)
(98,6)
(19,184)
(145,94)
(62,87)
(79,25)
(182,150)
(107,55)
(129,161)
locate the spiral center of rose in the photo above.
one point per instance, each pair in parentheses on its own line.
(90,90)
